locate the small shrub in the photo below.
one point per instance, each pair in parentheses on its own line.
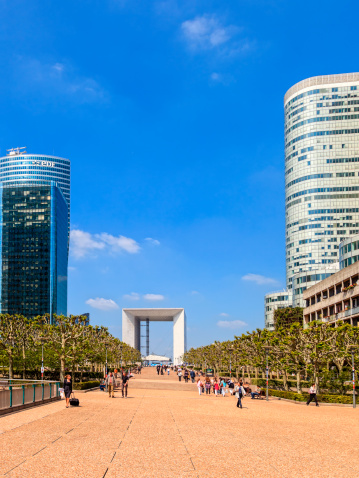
(86,385)
(303,397)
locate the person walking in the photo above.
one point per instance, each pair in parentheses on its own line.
(192,375)
(67,389)
(313,395)
(179,373)
(240,393)
(231,386)
(199,386)
(186,374)
(111,383)
(125,379)
(168,371)
(216,388)
(224,389)
(208,386)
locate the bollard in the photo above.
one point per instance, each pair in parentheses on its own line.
(23,394)
(10,389)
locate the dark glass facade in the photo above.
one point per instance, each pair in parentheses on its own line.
(34,254)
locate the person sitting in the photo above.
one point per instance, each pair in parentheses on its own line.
(102,385)
(257,393)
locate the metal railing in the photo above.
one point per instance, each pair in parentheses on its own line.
(14,393)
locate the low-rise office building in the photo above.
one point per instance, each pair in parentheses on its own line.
(335,298)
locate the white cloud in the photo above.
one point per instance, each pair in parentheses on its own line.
(206,32)
(194,292)
(231,324)
(258,279)
(132,296)
(119,243)
(83,243)
(223,314)
(55,78)
(102,304)
(153,297)
(152,241)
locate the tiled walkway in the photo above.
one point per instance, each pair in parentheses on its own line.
(169,433)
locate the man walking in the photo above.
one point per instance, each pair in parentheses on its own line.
(313,395)
(110,381)
(192,375)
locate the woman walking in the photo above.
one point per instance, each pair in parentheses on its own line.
(125,379)
(216,388)
(239,394)
(199,386)
(208,386)
(67,389)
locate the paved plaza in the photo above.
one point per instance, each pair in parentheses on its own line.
(164,429)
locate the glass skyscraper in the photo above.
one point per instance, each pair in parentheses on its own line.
(321,175)
(34,234)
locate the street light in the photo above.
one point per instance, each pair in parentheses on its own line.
(267,349)
(230,360)
(42,341)
(352,349)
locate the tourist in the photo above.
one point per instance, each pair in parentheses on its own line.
(224,387)
(186,374)
(67,389)
(212,383)
(313,395)
(199,385)
(192,375)
(162,370)
(256,393)
(240,393)
(168,370)
(208,386)
(111,383)
(231,386)
(158,369)
(216,388)
(125,379)
(179,373)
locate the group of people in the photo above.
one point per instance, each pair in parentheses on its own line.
(162,369)
(116,380)
(186,374)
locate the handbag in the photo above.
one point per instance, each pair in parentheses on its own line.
(75,402)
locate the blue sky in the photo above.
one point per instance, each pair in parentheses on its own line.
(172,115)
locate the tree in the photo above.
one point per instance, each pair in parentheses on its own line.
(287,316)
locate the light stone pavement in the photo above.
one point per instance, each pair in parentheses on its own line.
(172,432)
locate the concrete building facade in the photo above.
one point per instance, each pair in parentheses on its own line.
(335,298)
(131,328)
(321,171)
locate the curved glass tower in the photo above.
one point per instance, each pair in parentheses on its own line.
(321,172)
(34,233)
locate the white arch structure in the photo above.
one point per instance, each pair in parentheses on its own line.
(131,327)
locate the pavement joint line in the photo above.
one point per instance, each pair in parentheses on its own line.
(113,457)
(39,450)
(14,467)
(56,439)
(185,447)
(105,473)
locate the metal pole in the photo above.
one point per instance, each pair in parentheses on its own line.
(267,374)
(42,362)
(230,365)
(354,404)
(106,363)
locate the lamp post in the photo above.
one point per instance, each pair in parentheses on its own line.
(267,348)
(230,360)
(11,343)
(352,349)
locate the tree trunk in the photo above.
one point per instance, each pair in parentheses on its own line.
(11,369)
(256,373)
(285,381)
(23,362)
(62,368)
(299,384)
(248,373)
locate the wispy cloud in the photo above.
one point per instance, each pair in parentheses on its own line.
(153,297)
(206,32)
(209,33)
(223,314)
(102,304)
(132,296)
(259,279)
(231,324)
(83,243)
(194,292)
(57,78)
(152,241)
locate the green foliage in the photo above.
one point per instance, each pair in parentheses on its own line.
(287,316)
(303,397)
(86,385)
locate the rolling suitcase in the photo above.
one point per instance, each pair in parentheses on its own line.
(75,402)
